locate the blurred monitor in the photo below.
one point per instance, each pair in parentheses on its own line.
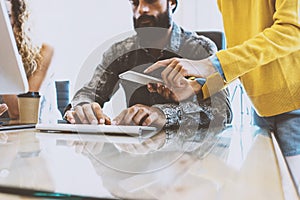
(12,74)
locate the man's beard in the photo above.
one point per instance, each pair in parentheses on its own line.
(150,28)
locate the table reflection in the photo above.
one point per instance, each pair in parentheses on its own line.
(187,163)
(20,164)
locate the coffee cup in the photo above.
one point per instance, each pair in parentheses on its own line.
(29,105)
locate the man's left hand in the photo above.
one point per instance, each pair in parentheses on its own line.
(141,115)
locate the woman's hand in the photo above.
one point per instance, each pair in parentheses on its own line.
(196,68)
(12,103)
(178,87)
(187,89)
(3,108)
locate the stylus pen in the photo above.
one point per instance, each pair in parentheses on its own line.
(45,194)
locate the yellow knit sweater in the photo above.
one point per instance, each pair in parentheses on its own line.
(263,41)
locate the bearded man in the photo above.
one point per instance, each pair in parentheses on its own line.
(157,37)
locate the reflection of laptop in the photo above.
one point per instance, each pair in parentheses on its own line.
(139,131)
(12,74)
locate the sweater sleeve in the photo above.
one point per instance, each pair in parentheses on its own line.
(280,39)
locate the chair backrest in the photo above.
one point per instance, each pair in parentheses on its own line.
(62,94)
(217,37)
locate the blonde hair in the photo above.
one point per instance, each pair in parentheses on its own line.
(30,54)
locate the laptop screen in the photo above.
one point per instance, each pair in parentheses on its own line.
(12,74)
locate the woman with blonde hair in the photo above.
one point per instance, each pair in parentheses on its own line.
(36,60)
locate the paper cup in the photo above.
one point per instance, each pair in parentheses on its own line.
(29,105)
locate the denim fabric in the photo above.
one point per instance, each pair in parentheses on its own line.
(201,81)
(216,63)
(286,128)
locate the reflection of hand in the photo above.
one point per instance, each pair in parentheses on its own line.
(3,138)
(87,148)
(151,144)
(141,115)
(3,108)
(90,113)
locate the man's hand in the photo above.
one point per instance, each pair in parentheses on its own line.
(141,115)
(196,68)
(90,113)
(3,108)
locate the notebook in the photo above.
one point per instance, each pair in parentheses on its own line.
(137,131)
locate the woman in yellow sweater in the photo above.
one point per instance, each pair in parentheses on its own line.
(263,51)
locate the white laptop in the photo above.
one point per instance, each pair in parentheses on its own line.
(136,131)
(12,74)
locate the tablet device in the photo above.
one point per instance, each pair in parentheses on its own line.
(139,78)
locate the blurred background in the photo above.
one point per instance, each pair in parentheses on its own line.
(77,27)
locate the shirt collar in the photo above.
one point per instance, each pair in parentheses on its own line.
(174,42)
(175,39)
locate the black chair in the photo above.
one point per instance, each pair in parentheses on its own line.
(62,95)
(218,37)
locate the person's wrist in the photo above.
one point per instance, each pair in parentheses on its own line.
(172,115)
(217,65)
(162,118)
(196,86)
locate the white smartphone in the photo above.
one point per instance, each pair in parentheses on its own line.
(139,78)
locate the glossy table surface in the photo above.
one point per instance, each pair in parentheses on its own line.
(237,163)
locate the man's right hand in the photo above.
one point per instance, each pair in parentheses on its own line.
(89,113)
